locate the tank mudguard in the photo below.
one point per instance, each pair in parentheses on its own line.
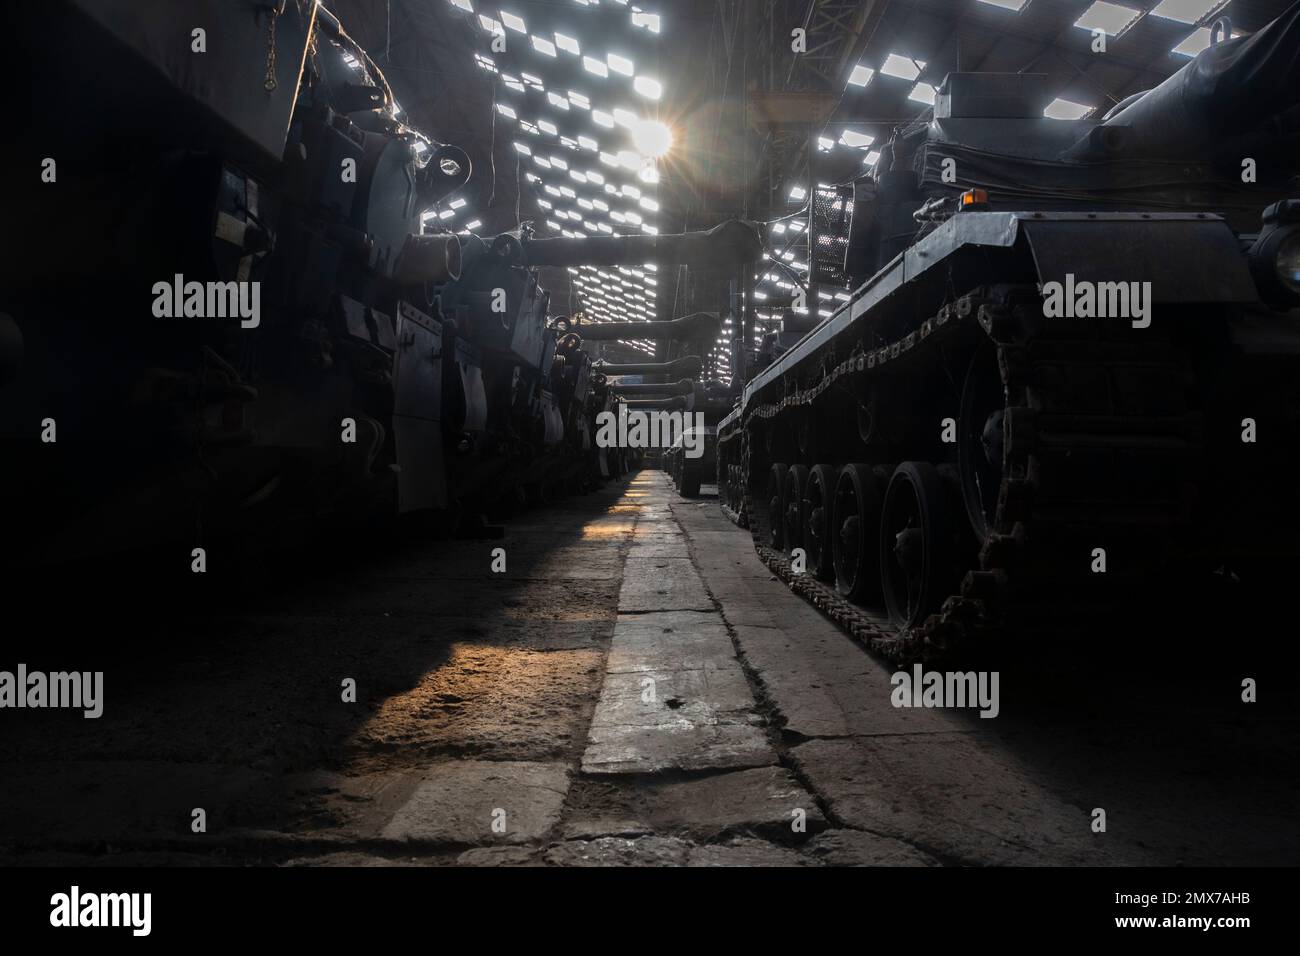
(1187,257)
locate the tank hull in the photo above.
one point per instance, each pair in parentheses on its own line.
(946,458)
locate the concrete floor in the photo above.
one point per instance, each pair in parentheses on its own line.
(634,688)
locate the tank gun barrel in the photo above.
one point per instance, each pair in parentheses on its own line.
(725,246)
(687,366)
(684,387)
(675,403)
(712,409)
(698,325)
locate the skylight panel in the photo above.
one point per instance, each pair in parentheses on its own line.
(1198,41)
(1111,18)
(1060,109)
(902,67)
(1187,11)
(861,75)
(922,93)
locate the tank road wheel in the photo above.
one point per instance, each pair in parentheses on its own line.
(979,443)
(817,527)
(796,486)
(775,498)
(855,524)
(915,543)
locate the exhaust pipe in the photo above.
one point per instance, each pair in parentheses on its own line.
(428,259)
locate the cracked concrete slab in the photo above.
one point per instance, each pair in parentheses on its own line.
(660,546)
(765,801)
(951,796)
(844,847)
(482,802)
(697,719)
(674,700)
(686,640)
(745,852)
(661,584)
(620,851)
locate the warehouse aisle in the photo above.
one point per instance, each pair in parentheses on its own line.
(619,680)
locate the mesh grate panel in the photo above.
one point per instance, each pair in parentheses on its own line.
(831,213)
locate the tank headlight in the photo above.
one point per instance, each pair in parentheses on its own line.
(1274,257)
(1287,262)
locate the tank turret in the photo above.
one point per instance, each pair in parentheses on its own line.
(1228,92)
(1178,146)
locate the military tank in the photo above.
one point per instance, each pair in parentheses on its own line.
(1069,371)
(230,309)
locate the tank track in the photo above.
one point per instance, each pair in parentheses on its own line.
(1085,400)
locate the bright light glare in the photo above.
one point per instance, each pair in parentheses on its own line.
(652,138)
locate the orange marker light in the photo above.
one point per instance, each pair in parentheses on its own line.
(974,199)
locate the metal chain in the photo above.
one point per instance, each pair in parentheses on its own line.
(270,83)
